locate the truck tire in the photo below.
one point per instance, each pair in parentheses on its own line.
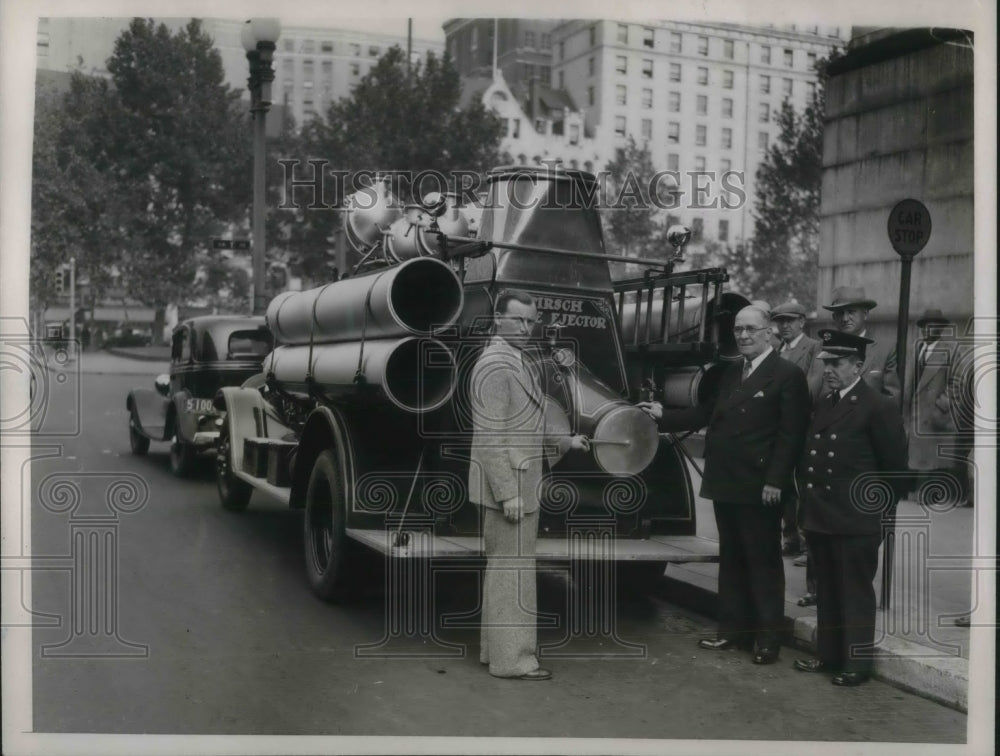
(327,549)
(182,458)
(138,442)
(234,493)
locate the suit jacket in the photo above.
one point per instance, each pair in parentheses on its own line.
(880,368)
(853,467)
(804,354)
(508,428)
(755,431)
(929,419)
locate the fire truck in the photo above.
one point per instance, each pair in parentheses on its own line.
(362,416)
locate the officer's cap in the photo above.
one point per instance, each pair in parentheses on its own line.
(838,344)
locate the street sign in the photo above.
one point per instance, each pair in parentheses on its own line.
(222,243)
(909,227)
(241,244)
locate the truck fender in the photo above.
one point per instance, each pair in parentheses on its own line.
(239,405)
(325,428)
(150,410)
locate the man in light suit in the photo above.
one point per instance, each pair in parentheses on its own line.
(849,482)
(929,419)
(850,309)
(504,476)
(756,427)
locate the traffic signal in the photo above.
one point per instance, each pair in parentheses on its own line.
(60,280)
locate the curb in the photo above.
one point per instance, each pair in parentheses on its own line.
(137,357)
(902,664)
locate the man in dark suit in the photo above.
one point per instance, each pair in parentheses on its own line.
(850,477)
(850,308)
(756,424)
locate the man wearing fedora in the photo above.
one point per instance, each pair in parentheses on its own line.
(849,484)
(850,309)
(800,350)
(929,419)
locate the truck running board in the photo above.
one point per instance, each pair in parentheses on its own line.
(419,544)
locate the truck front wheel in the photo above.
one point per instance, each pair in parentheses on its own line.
(326,543)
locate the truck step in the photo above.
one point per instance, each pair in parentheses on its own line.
(268,458)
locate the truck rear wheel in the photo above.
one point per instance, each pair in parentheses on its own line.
(326,544)
(234,494)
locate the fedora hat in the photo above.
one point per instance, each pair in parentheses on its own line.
(850,296)
(933,316)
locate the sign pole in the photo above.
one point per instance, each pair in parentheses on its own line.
(909,230)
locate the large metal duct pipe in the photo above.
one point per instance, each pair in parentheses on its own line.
(414,374)
(419,297)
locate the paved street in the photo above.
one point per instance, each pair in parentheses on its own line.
(218,632)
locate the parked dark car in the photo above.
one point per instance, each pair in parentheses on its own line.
(207,353)
(128,336)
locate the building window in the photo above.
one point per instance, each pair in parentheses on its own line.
(673,132)
(699,163)
(355,69)
(786,87)
(546,41)
(621,94)
(725,165)
(647,37)
(703,45)
(562,81)
(701,135)
(697,229)
(674,102)
(562,50)
(727,107)
(356,47)
(789,58)
(727,49)
(673,161)
(647,128)
(327,66)
(727,139)
(591,65)
(702,75)
(727,79)
(701,105)
(326,46)
(647,69)
(621,64)
(515,129)
(590,96)
(812,91)
(675,72)
(765,55)
(765,112)
(574,133)
(811,61)
(593,36)
(763,140)
(623,34)
(647,98)
(619,126)
(308,47)
(765,84)
(675,42)
(308,71)
(723,230)
(529,39)
(288,45)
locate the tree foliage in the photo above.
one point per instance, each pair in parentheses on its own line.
(782,260)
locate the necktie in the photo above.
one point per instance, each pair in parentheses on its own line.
(746,368)
(834,398)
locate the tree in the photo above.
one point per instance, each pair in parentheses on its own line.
(175,135)
(396,120)
(632,223)
(782,260)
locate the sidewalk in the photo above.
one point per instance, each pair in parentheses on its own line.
(919,648)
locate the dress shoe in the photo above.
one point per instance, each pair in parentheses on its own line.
(808,600)
(765,655)
(850,679)
(536,674)
(719,644)
(801,561)
(812,665)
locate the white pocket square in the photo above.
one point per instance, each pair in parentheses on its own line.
(759,395)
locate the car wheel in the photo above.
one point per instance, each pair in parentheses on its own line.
(182,458)
(327,548)
(234,494)
(138,442)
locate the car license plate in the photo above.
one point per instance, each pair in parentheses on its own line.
(198,405)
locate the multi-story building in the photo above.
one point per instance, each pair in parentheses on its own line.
(523,49)
(702,97)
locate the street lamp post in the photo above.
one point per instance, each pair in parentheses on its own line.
(259,36)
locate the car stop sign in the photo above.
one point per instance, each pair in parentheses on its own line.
(909,227)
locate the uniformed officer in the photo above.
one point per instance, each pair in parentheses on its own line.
(855,439)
